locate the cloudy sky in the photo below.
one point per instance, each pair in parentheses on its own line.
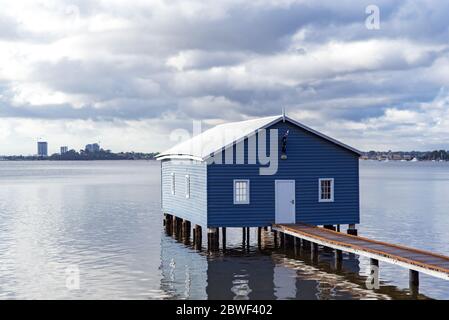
(127,73)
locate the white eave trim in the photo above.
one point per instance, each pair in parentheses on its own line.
(179,157)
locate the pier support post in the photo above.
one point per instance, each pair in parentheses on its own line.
(223,236)
(297,246)
(306,244)
(282,240)
(174,225)
(168,223)
(243,237)
(314,252)
(352,230)
(414,282)
(259,237)
(212,239)
(198,237)
(338,228)
(186,226)
(289,241)
(179,228)
(247,237)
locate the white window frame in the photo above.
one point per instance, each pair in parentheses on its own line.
(187,180)
(247,201)
(173,183)
(331,191)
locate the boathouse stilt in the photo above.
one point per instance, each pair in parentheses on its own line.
(168,221)
(223,237)
(179,222)
(198,237)
(186,226)
(259,237)
(247,238)
(352,230)
(243,237)
(213,239)
(174,225)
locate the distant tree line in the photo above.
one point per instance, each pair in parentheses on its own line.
(436,155)
(73,155)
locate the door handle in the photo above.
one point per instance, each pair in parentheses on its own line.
(292,202)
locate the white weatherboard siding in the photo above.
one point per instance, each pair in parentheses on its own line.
(193,208)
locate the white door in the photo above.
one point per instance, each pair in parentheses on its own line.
(285,201)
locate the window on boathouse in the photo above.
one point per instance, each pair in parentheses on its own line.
(326,190)
(241,191)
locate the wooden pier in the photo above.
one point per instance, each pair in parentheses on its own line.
(413,259)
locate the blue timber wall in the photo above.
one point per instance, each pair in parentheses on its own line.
(194,208)
(309,158)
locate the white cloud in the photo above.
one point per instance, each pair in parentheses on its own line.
(109,68)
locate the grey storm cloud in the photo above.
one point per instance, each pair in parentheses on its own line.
(175,61)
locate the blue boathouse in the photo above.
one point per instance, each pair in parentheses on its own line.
(261,172)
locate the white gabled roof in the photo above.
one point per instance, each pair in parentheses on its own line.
(203,145)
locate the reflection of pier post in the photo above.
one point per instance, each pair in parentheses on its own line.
(338,259)
(414,282)
(314,252)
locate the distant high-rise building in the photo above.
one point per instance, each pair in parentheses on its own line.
(42,149)
(64,149)
(94,147)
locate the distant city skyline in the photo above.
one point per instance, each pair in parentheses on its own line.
(130,73)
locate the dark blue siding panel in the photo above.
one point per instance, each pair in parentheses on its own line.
(193,209)
(309,158)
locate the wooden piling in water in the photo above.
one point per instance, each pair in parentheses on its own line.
(247,238)
(282,239)
(213,239)
(223,236)
(186,226)
(259,237)
(168,221)
(198,237)
(352,230)
(314,252)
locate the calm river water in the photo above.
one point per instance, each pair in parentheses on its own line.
(103,219)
